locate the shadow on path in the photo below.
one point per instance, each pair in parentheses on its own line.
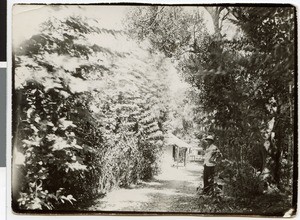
(174,190)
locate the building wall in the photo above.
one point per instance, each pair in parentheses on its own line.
(167,157)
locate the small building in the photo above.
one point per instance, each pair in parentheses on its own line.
(176,151)
(196,154)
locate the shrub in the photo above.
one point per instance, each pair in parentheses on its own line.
(81,141)
(240,179)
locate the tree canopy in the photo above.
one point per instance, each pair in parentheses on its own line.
(245,84)
(88,115)
(91,106)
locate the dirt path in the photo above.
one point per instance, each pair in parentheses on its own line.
(172,191)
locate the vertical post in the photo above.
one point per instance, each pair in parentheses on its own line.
(177,155)
(185,157)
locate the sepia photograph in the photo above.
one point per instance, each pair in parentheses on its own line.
(144,109)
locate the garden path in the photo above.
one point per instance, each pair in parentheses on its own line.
(174,190)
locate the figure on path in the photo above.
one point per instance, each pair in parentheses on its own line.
(212,153)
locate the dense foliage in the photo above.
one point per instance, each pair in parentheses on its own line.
(91,105)
(244,87)
(88,114)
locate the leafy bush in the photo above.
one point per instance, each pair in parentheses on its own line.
(238,188)
(86,118)
(240,179)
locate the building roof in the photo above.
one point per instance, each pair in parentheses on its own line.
(173,140)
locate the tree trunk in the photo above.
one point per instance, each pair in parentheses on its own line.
(215,15)
(279,142)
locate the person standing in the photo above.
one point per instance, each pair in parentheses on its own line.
(211,155)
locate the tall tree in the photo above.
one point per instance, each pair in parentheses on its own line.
(89,115)
(271,34)
(239,101)
(171,30)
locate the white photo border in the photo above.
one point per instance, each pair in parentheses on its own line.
(13,216)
